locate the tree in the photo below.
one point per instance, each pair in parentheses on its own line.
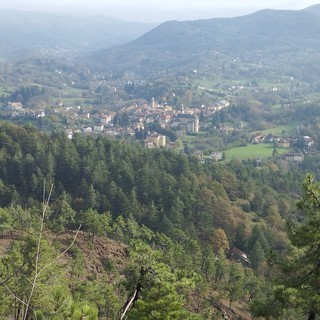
(235,286)
(31,276)
(297,286)
(219,240)
(275,152)
(101,294)
(27,282)
(77,265)
(157,292)
(241,240)
(208,265)
(302,267)
(62,215)
(273,217)
(83,310)
(221,269)
(6,222)
(161,298)
(257,256)
(95,224)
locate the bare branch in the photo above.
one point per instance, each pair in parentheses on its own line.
(129,304)
(13,274)
(45,205)
(15,295)
(37,271)
(60,255)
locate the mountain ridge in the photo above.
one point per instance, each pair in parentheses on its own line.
(30,30)
(314,9)
(178,41)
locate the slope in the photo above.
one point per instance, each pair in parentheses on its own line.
(26,30)
(177,44)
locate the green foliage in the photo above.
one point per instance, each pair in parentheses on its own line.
(235,282)
(297,284)
(58,302)
(100,294)
(178,218)
(157,188)
(257,255)
(6,221)
(162,290)
(34,284)
(94,223)
(80,310)
(19,267)
(63,214)
(302,267)
(25,94)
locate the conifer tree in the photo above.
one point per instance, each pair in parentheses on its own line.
(297,286)
(302,268)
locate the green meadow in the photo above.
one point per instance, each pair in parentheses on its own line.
(289,130)
(2,91)
(252,151)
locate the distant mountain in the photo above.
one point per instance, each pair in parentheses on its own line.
(314,9)
(27,30)
(174,43)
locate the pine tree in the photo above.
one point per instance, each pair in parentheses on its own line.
(297,287)
(236,282)
(257,255)
(302,268)
(219,241)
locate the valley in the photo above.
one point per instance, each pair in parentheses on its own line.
(160,171)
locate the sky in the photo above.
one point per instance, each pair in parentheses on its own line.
(157,10)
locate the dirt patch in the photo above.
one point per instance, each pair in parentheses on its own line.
(101,256)
(237,311)
(98,254)
(5,244)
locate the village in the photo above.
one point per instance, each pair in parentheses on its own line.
(124,123)
(160,124)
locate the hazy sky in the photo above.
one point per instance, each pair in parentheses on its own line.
(158,10)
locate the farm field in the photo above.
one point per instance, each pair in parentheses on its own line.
(252,151)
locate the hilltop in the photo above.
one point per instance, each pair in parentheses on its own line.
(28,30)
(183,44)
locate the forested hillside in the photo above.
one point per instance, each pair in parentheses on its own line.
(172,221)
(266,35)
(165,191)
(64,33)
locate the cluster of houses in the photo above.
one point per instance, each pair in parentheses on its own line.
(285,142)
(15,109)
(185,120)
(279,141)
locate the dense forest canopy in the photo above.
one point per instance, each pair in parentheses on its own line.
(174,214)
(165,191)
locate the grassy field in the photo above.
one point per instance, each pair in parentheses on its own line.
(3,91)
(252,151)
(73,91)
(289,130)
(78,100)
